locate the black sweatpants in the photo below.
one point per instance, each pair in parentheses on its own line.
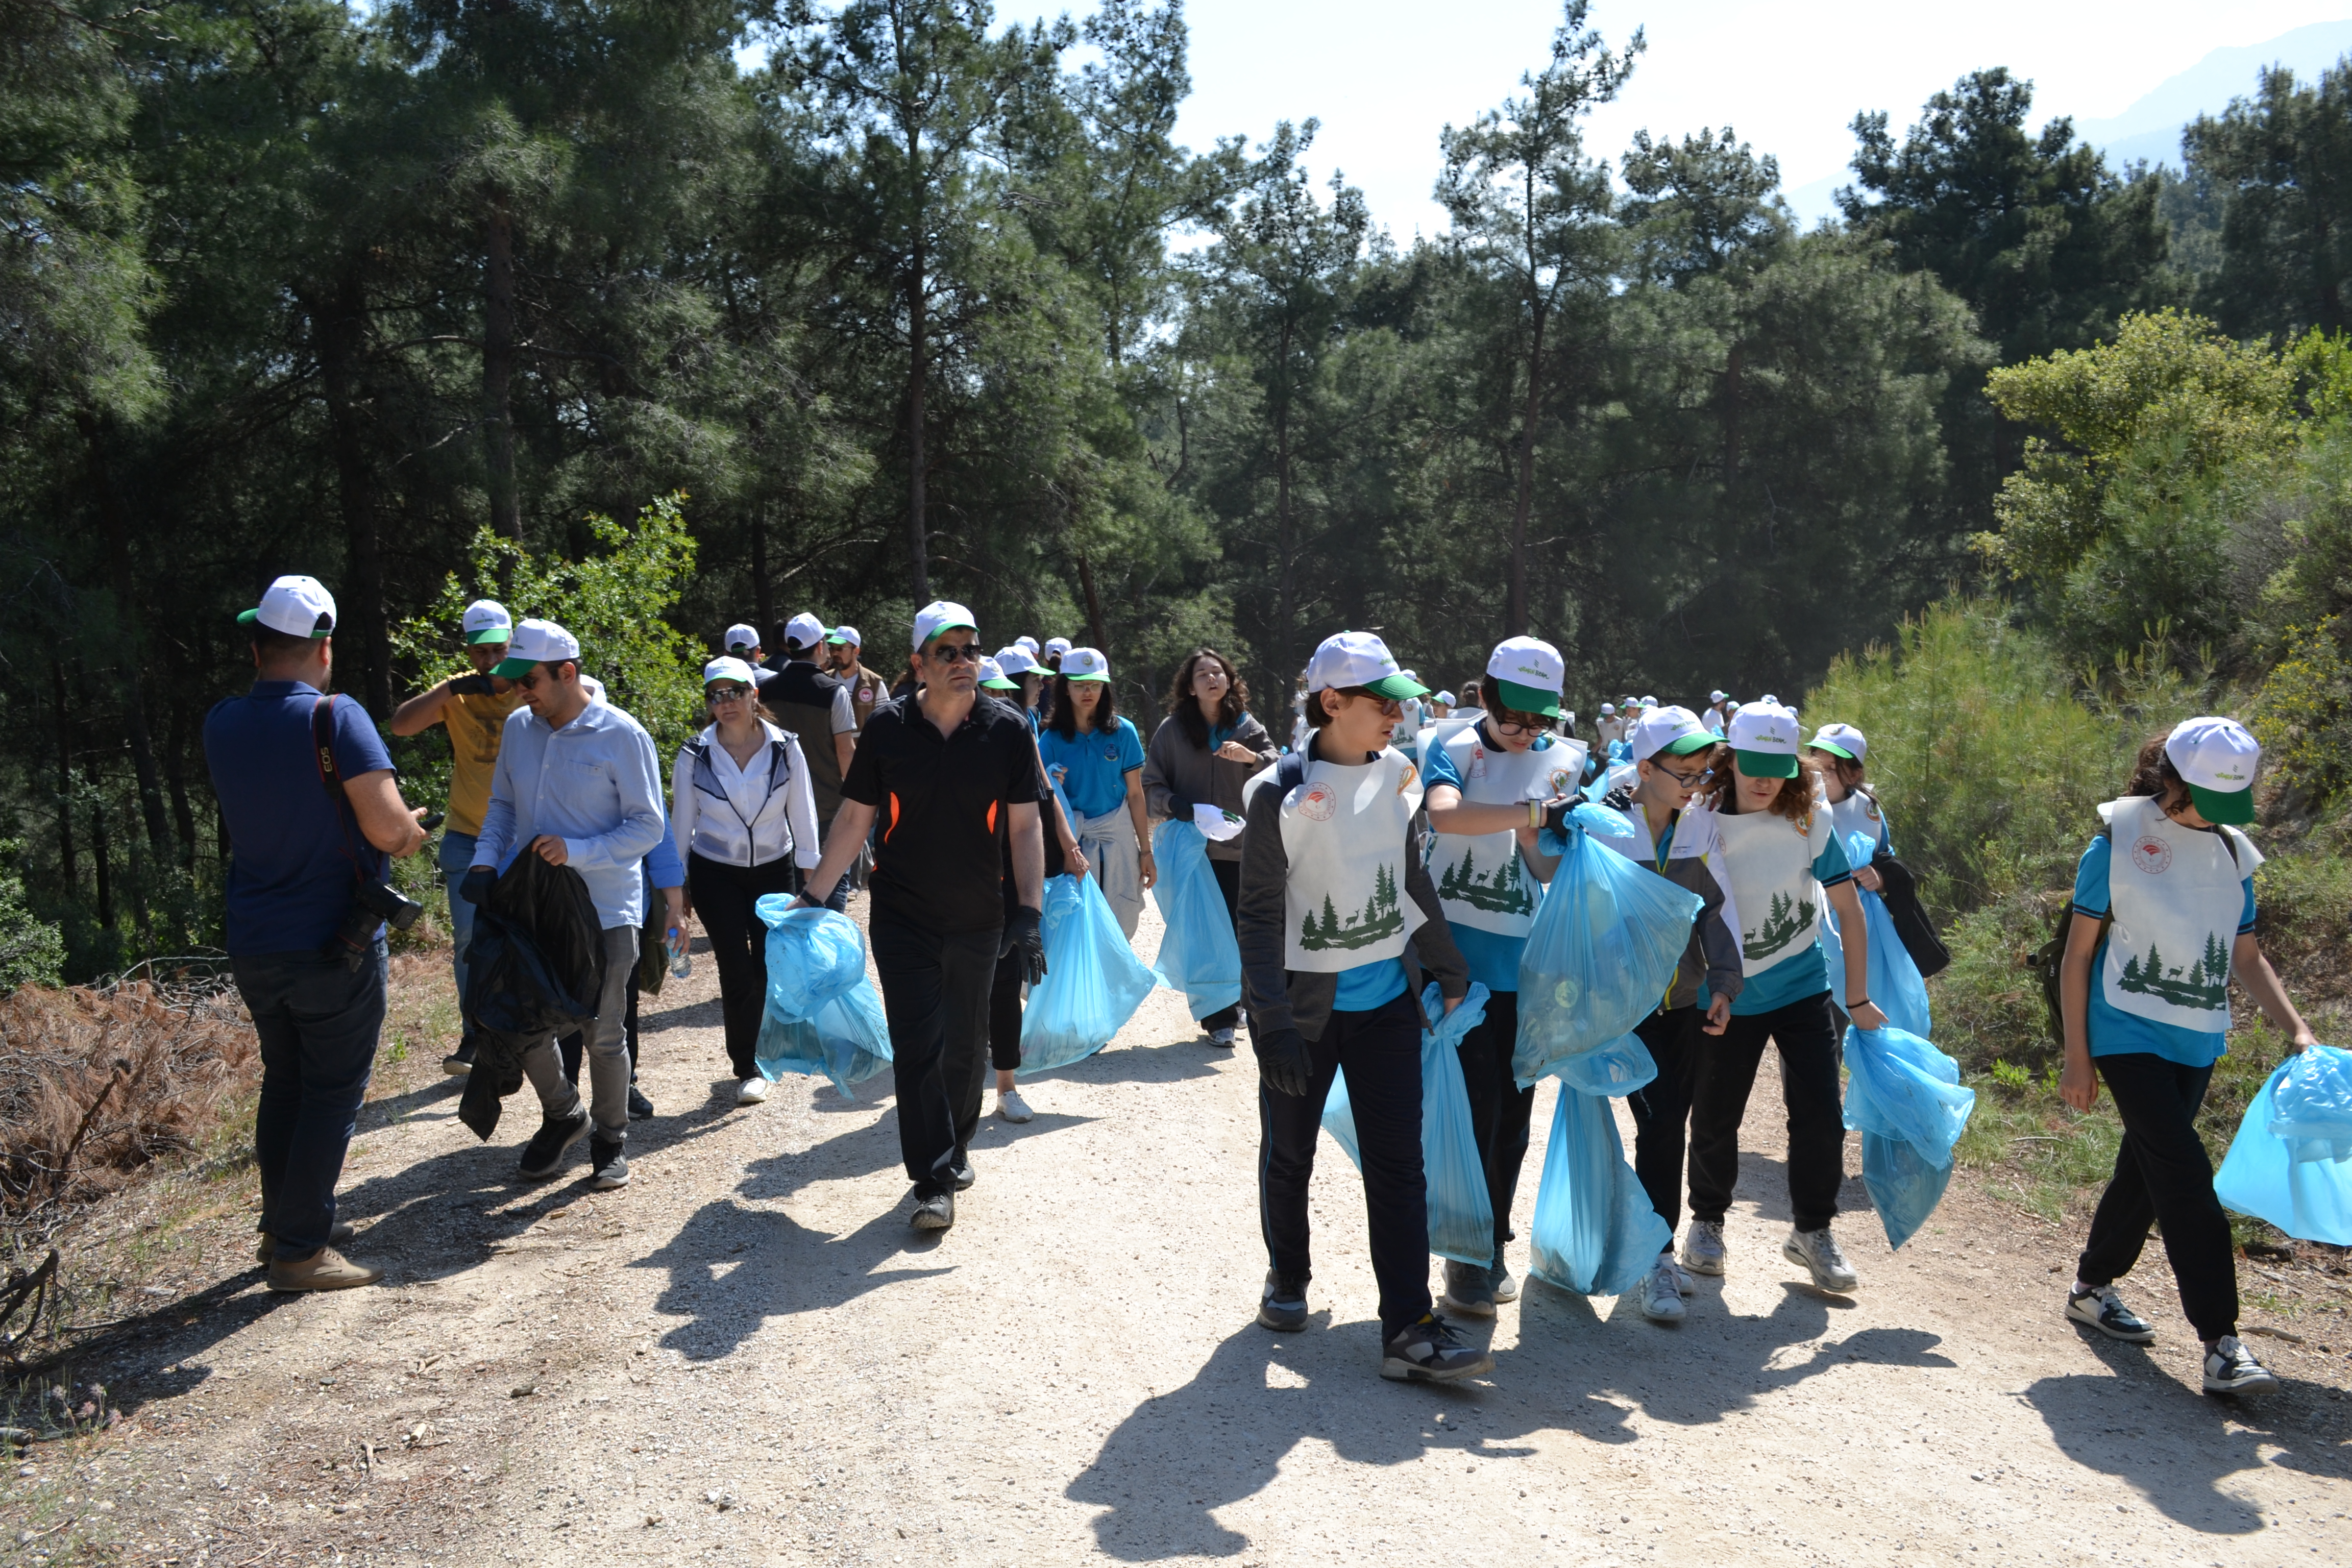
(1662,1107)
(1382,1052)
(2163,1175)
(1499,1108)
(935,992)
(1808,1044)
(724,896)
(1228,874)
(1005,1015)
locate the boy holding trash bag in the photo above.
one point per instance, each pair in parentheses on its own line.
(2164,912)
(1333,826)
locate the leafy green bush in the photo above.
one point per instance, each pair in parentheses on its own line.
(2304,715)
(32,951)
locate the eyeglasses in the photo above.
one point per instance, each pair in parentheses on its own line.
(718,694)
(956,652)
(1688,781)
(1513,728)
(529,682)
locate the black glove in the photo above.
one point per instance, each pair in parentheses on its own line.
(473,685)
(1180,808)
(1022,933)
(1555,815)
(1282,1063)
(476,889)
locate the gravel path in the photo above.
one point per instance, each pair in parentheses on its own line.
(749,1357)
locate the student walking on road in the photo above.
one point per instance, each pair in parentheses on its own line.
(745,820)
(1004,994)
(1338,826)
(951,773)
(2167,873)
(816,708)
(842,648)
(1097,759)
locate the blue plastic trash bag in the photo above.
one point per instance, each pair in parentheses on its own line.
(1599,956)
(1093,985)
(1198,954)
(1461,1215)
(822,1014)
(2313,1107)
(1895,981)
(1595,1232)
(1904,1096)
(2309,1199)
(1618,1069)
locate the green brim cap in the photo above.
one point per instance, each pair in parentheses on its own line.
(1832,748)
(1396,685)
(490,634)
(2232,806)
(507,669)
(1068,675)
(1768,764)
(1528,699)
(1001,684)
(1684,745)
(248,617)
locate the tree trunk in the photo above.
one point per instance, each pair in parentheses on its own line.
(117,523)
(1733,366)
(498,370)
(339,331)
(175,777)
(764,596)
(1094,606)
(1286,582)
(98,847)
(65,782)
(1515,616)
(918,539)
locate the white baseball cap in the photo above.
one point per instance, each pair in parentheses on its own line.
(1015,660)
(1446,697)
(2218,758)
(1057,645)
(1358,659)
(729,668)
(1715,697)
(536,642)
(804,630)
(1673,731)
(1764,736)
(1027,645)
(299,606)
(741,635)
(1530,672)
(1841,741)
(1609,710)
(1768,697)
(992,675)
(942,616)
(844,635)
(487,621)
(1084,663)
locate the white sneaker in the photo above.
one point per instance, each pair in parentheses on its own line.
(1221,1037)
(752,1091)
(1818,1250)
(1012,1107)
(1661,1296)
(1702,1246)
(2231,1368)
(1683,1284)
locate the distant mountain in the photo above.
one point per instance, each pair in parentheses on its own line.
(2150,129)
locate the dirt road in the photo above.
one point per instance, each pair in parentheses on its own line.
(749,1357)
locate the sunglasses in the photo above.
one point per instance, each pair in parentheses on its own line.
(718,694)
(956,652)
(529,682)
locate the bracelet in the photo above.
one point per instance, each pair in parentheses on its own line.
(1852,1006)
(1535,813)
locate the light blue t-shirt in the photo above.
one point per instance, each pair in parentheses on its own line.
(2113,1031)
(1369,986)
(1807,972)
(1099,762)
(1492,958)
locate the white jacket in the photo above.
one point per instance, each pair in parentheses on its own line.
(707,822)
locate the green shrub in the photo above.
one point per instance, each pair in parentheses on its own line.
(32,951)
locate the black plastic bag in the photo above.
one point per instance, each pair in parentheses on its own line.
(534,970)
(1900,889)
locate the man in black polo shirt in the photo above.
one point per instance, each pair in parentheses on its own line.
(814,706)
(949,773)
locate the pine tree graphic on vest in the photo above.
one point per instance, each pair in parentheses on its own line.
(1380,920)
(2206,986)
(1502,893)
(1786,921)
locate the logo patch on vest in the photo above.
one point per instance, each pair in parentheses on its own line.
(1319,802)
(2152,855)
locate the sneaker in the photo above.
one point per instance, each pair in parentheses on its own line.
(543,1155)
(1283,1305)
(1683,1284)
(1012,1107)
(459,1062)
(934,1212)
(1702,1246)
(964,1175)
(1662,1295)
(1221,1037)
(752,1091)
(2103,1309)
(1469,1289)
(1506,1288)
(640,1108)
(608,1166)
(2231,1368)
(1818,1251)
(339,1236)
(1431,1351)
(326,1269)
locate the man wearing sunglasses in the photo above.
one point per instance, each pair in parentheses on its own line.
(576,784)
(951,776)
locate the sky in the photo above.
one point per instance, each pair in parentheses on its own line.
(1385,76)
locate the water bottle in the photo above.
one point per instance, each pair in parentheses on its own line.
(681,963)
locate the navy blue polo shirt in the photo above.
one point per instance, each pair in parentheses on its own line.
(291,860)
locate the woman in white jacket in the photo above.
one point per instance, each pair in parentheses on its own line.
(745,818)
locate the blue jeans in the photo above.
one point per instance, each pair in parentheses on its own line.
(319,1023)
(456,856)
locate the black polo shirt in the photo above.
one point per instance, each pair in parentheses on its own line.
(943,810)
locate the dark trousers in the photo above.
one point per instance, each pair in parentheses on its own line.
(2163,1175)
(574,1046)
(319,1024)
(724,896)
(1808,1044)
(1228,874)
(1499,1108)
(1005,1015)
(935,991)
(1382,1053)
(1662,1107)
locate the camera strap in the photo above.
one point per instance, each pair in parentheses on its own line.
(322,751)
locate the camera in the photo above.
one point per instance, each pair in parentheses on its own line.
(372,903)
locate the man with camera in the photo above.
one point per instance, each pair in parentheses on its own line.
(307,789)
(576,783)
(474,709)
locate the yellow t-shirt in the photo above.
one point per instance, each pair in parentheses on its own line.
(474,725)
